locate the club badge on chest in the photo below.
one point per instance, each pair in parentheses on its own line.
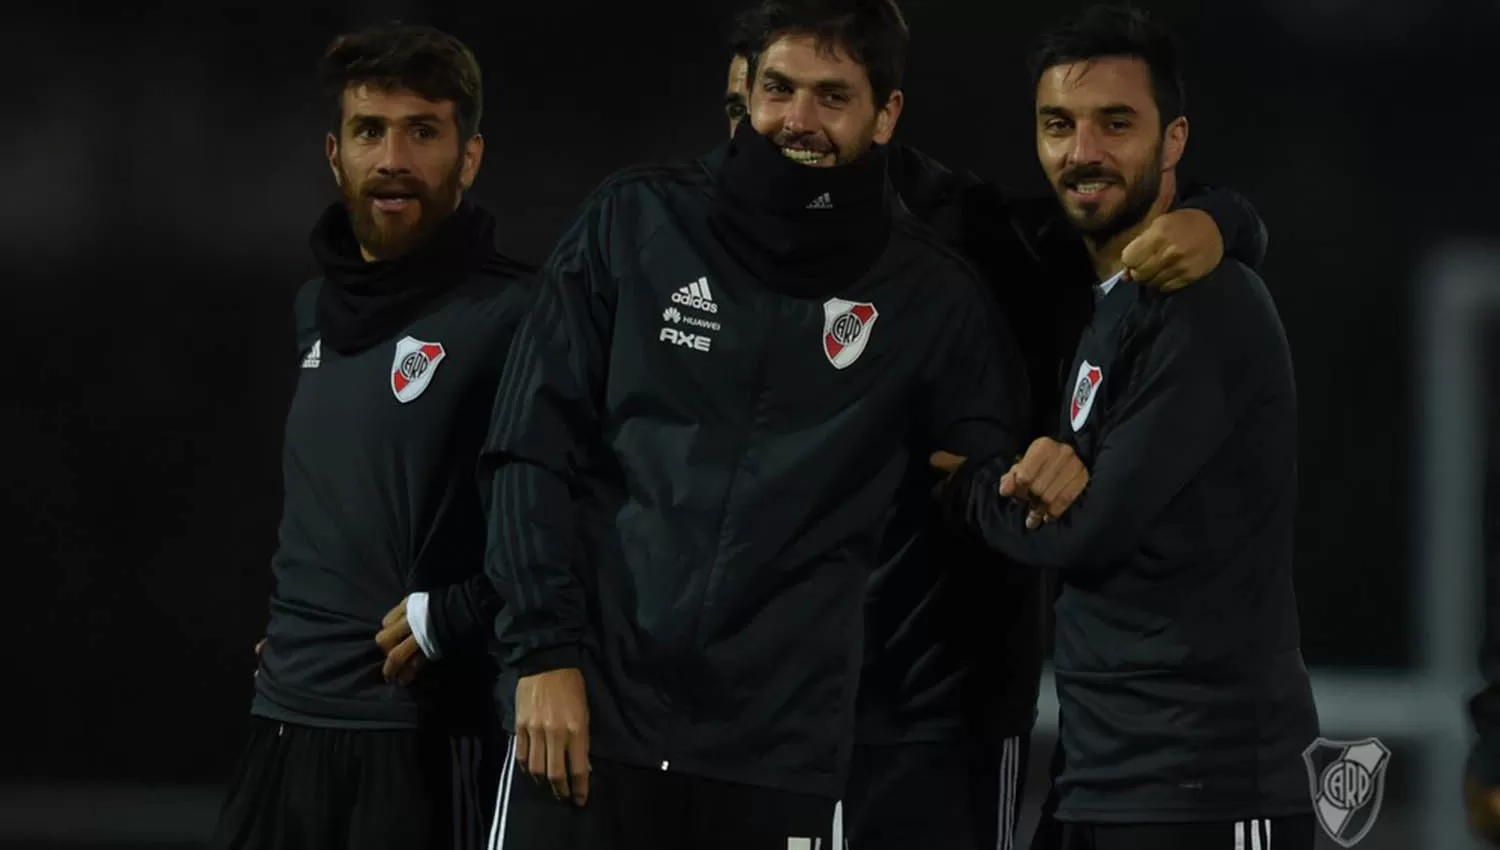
(847,326)
(414,365)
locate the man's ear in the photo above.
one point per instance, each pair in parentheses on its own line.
(886,118)
(1174,143)
(473,157)
(331,150)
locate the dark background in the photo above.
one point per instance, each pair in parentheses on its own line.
(169,162)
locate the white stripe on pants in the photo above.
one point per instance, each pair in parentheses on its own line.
(1010,784)
(502,809)
(1252,834)
(502,801)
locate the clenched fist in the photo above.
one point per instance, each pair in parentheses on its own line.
(1175,250)
(1050,477)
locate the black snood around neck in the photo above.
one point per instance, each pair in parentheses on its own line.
(801,229)
(362,304)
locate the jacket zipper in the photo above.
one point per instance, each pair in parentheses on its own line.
(757,392)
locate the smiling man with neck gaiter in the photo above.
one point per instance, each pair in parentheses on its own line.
(733,368)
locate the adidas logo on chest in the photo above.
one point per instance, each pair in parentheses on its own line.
(696,295)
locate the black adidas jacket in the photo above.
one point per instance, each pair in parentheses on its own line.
(954,640)
(1184,696)
(692,473)
(381,500)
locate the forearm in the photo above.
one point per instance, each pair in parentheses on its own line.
(1240,226)
(458,617)
(541,624)
(979,401)
(1078,539)
(1143,463)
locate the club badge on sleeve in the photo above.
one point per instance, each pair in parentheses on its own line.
(413,367)
(1084,393)
(846,330)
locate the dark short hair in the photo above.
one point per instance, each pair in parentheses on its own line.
(420,59)
(872,32)
(1117,31)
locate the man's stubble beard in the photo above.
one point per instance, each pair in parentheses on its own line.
(1140,196)
(861,147)
(434,205)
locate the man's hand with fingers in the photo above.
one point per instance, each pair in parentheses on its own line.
(552,731)
(403,656)
(1050,477)
(1175,250)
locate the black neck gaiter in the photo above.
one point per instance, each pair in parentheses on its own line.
(800,229)
(362,304)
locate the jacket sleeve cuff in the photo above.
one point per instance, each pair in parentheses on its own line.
(549,659)
(451,620)
(417,617)
(960,492)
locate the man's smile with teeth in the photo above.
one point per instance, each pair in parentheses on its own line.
(802,155)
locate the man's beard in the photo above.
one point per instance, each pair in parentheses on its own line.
(384,236)
(1141,194)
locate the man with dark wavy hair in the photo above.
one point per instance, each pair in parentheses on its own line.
(733,369)
(371,724)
